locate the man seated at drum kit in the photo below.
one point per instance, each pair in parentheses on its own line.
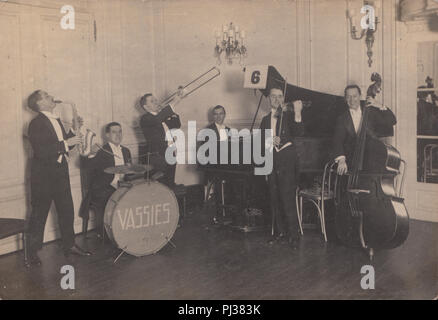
(110,156)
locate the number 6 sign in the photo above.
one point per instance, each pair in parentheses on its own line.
(256,77)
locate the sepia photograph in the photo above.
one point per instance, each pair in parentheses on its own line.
(219,154)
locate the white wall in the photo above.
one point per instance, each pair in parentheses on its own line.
(154,46)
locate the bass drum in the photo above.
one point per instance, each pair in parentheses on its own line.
(142,218)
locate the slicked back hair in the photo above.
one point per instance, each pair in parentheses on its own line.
(110,125)
(32,100)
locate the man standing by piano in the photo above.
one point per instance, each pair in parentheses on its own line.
(283,180)
(222,133)
(380,123)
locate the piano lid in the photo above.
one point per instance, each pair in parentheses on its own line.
(320,118)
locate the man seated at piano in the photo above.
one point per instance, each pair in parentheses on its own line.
(380,123)
(222,134)
(104,184)
(217,125)
(283,179)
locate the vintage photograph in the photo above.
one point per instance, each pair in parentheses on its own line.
(219,150)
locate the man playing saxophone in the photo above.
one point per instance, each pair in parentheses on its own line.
(50,180)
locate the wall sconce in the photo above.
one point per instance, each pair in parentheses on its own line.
(230,41)
(368,25)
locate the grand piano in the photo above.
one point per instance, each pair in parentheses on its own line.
(319,117)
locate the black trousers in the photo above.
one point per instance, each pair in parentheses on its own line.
(99,199)
(282,183)
(158,161)
(50,183)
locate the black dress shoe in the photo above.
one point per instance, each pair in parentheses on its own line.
(76,250)
(32,261)
(280,238)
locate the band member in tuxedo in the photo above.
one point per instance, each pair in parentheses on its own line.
(223,141)
(380,123)
(155,124)
(285,173)
(50,179)
(104,184)
(217,125)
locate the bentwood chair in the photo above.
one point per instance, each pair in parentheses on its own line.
(318,194)
(429,171)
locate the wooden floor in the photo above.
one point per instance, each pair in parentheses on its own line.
(218,263)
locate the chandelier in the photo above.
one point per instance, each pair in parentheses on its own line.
(230,41)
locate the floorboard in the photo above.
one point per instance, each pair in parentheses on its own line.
(212,262)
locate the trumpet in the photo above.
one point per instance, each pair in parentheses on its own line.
(180,92)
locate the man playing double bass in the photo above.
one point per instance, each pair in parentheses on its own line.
(380,123)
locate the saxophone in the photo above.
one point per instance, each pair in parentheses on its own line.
(87,135)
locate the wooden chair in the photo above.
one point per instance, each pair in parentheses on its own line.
(318,195)
(10,227)
(428,157)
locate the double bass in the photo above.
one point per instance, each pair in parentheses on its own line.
(369,213)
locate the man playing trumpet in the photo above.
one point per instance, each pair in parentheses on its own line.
(155,124)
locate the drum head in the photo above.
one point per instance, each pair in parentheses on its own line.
(143,219)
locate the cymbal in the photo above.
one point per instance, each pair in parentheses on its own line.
(128,169)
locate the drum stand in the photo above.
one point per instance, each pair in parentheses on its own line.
(148,180)
(120,254)
(123,249)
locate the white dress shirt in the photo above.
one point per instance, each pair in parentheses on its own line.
(356,115)
(223,135)
(53,120)
(118,161)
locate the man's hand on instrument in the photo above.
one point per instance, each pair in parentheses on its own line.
(178,96)
(371,102)
(276,140)
(342,166)
(80,121)
(73,141)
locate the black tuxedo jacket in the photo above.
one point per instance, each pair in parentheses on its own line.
(380,124)
(153,130)
(289,128)
(98,177)
(212,126)
(45,145)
